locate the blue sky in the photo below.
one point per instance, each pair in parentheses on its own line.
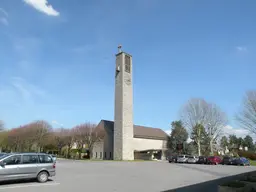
(57,58)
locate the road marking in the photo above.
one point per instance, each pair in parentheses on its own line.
(30,185)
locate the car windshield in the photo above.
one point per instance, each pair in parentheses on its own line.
(191,157)
(181,156)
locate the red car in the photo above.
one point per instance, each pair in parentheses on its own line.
(214,160)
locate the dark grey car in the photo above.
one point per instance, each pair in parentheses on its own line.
(18,166)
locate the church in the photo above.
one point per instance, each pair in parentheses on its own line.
(122,140)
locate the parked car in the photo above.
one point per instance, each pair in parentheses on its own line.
(2,154)
(54,157)
(20,166)
(227,160)
(241,161)
(202,160)
(192,159)
(182,159)
(214,160)
(172,159)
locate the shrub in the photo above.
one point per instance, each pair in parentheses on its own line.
(247,154)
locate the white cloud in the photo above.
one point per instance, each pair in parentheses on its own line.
(168,132)
(4,21)
(229,130)
(3,17)
(28,91)
(3,12)
(241,49)
(42,6)
(57,123)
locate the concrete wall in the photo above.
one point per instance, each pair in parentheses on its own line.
(104,148)
(123,124)
(108,144)
(98,150)
(140,144)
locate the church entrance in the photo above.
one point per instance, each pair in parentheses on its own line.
(148,155)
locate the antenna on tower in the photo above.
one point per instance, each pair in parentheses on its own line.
(119,48)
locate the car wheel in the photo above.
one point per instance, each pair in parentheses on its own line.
(42,177)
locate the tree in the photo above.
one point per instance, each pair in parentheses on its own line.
(69,140)
(179,135)
(233,142)
(191,148)
(59,137)
(40,130)
(4,140)
(86,135)
(247,116)
(240,142)
(196,113)
(248,142)
(216,121)
(198,136)
(1,125)
(224,142)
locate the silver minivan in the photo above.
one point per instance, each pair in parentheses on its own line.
(182,159)
(16,166)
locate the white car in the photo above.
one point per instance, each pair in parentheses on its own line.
(182,159)
(192,159)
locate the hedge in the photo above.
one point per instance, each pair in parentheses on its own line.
(247,154)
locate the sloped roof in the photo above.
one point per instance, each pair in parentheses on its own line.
(139,131)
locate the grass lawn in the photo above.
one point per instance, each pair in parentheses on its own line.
(253,163)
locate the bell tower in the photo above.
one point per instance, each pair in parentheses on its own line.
(123,124)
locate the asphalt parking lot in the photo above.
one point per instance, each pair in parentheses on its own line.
(109,176)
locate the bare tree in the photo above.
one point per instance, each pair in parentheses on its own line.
(247,116)
(1,125)
(69,135)
(198,114)
(192,115)
(40,130)
(86,134)
(216,120)
(14,139)
(92,136)
(61,138)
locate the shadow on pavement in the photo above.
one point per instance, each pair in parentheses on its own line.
(209,186)
(28,181)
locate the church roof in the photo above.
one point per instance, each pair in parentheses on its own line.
(139,131)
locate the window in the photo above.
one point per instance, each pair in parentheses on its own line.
(110,155)
(13,160)
(105,155)
(30,159)
(96,155)
(45,159)
(100,154)
(127,64)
